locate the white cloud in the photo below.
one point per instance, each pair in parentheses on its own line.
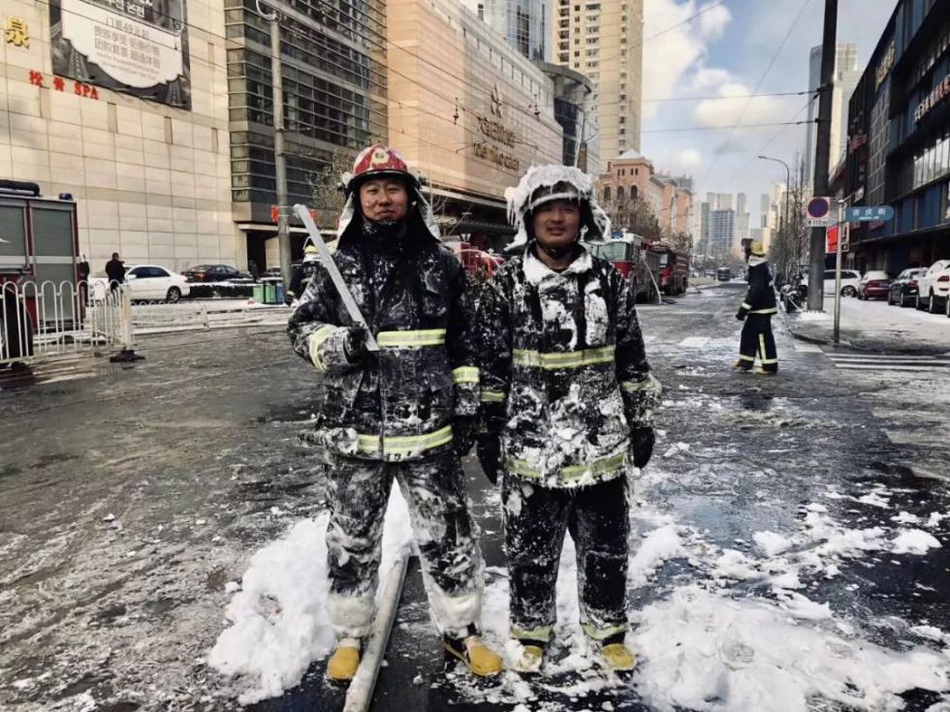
(689,159)
(668,58)
(735,106)
(706,77)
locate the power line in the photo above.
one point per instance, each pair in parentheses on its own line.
(722,98)
(778,51)
(728,128)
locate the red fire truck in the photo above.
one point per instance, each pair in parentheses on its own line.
(674,267)
(629,254)
(476,261)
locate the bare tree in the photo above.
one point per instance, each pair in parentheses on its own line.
(635,215)
(787,248)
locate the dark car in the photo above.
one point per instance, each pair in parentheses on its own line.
(723,274)
(903,290)
(216,273)
(875,284)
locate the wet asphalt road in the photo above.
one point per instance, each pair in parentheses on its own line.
(128,499)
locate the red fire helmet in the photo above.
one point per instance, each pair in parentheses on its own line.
(378,160)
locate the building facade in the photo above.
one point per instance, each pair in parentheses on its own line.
(603,39)
(525,24)
(846,77)
(333,74)
(469,112)
(125,109)
(899,148)
(722,230)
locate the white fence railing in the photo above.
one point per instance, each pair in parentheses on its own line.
(39,320)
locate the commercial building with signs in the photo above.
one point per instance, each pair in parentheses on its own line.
(470,113)
(899,146)
(333,60)
(123,107)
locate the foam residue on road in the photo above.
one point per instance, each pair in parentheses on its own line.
(278,619)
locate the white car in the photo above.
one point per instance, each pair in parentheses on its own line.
(933,287)
(849,282)
(154,283)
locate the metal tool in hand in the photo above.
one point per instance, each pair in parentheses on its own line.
(326,259)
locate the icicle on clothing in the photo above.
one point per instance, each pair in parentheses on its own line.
(597,519)
(451,560)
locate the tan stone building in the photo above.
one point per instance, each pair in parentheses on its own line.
(603,39)
(468,112)
(632,177)
(150,176)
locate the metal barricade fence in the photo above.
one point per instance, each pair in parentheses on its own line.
(41,320)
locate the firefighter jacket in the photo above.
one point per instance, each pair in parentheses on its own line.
(301,277)
(564,374)
(397,404)
(760,299)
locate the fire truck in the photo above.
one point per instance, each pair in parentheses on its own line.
(674,267)
(629,254)
(39,245)
(475,261)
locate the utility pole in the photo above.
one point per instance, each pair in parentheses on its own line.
(816,262)
(280,155)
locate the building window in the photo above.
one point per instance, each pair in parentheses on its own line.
(634,193)
(481,11)
(577,54)
(620,194)
(607,193)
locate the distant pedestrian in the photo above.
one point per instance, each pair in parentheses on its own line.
(115,271)
(757,311)
(83,270)
(254,270)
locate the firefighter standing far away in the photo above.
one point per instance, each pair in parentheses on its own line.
(303,274)
(757,311)
(567,414)
(406,412)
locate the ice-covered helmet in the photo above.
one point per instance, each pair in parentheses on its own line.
(375,162)
(311,254)
(544,184)
(756,248)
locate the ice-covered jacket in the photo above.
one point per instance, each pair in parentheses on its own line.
(564,374)
(760,299)
(397,404)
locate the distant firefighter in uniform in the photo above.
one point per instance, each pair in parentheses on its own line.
(757,311)
(303,274)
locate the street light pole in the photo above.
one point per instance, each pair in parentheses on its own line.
(788,185)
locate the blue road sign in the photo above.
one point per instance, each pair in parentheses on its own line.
(872,213)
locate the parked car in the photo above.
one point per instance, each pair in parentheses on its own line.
(875,284)
(216,273)
(154,283)
(933,287)
(903,290)
(723,274)
(850,279)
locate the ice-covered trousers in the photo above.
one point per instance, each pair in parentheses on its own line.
(535,521)
(452,568)
(756,340)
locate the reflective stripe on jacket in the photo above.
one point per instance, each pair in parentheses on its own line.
(399,403)
(760,298)
(563,370)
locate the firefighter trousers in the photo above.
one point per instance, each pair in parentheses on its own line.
(535,521)
(452,568)
(757,340)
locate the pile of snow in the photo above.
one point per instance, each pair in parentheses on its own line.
(279,621)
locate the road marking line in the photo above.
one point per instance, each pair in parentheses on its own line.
(806,348)
(694,342)
(885,367)
(881,357)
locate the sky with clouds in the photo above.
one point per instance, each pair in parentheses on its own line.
(724,53)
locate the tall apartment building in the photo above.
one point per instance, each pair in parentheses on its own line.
(603,39)
(846,77)
(722,230)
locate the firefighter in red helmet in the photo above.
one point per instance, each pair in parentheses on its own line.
(404,413)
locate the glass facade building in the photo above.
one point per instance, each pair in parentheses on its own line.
(333,57)
(524,23)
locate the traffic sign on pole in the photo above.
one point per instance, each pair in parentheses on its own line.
(818,212)
(869,213)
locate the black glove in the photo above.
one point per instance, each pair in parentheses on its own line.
(463,434)
(641,446)
(740,316)
(489,456)
(355,344)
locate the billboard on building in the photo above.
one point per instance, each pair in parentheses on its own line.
(137,47)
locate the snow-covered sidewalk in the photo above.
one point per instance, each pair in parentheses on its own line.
(874,325)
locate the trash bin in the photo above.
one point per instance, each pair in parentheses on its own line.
(280,294)
(258,293)
(270,294)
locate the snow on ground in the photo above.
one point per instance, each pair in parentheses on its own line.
(278,616)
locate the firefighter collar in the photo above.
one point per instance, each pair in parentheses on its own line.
(535,271)
(755,261)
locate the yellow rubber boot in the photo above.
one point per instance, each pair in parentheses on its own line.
(529,661)
(345,660)
(474,653)
(618,657)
